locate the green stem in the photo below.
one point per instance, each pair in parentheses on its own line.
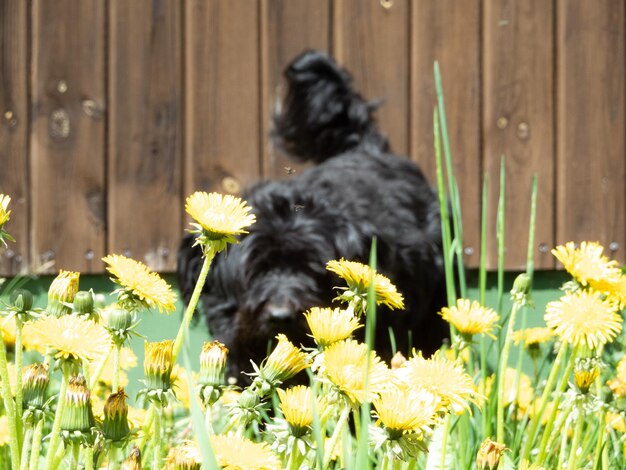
(500,233)
(156,437)
(75,450)
(28,439)
(36,446)
(147,424)
(600,442)
(571,464)
(89,458)
(55,434)
(341,423)
(19,361)
(116,367)
(195,297)
(536,420)
(9,406)
(504,360)
(93,380)
(444,442)
(557,400)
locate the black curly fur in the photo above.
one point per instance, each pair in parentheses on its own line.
(357,191)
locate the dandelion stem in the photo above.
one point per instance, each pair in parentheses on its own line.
(156,437)
(28,438)
(9,406)
(98,372)
(195,297)
(116,367)
(36,446)
(444,442)
(19,392)
(55,434)
(504,359)
(557,399)
(88,458)
(341,423)
(536,420)
(571,464)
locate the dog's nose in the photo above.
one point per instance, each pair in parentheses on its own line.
(279,313)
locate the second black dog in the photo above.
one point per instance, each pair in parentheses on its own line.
(358,190)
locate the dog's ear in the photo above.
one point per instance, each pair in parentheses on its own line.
(189,266)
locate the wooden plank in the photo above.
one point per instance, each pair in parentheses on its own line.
(371,39)
(222,145)
(14,130)
(518,123)
(449,31)
(145,157)
(591,199)
(67,135)
(288,28)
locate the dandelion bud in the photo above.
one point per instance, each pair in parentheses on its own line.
(118,321)
(296,404)
(4,213)
(35,380)
(213,363)
(115,424)
(489,454)
(77,417)
(585,374)
(521,288)
(83,303)
(157,365)
(284,362)
(133,461)
(62,292)
(22,300)
(184,457)
(397,360)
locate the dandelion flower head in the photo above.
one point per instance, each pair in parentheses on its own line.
(234,452)
(404,409)
(357,276)
(586,263)
(471,318)
(345,364)
(4,213)
(583,319)
(142,283)
(331,325)
(220,216)
(69,337)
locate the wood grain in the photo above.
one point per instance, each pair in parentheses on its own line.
(372,42)
(222,95)
(288,27)
(14,131)
(448,31)
(519,123)
(145,131)
(591,198)
(67,135)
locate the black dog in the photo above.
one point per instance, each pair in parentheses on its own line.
(357,191)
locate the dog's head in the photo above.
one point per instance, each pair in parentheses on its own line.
(262,286)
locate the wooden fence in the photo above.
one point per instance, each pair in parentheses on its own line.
(113,111)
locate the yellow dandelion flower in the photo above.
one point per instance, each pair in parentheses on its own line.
(220,216)
(235,453)
(614,288)
(616,421)
(284,362)
(185,455)
(142,283)
(345,365)
(404,409)
(69,337)
(357,276)
(533,336)
(4,213)
(471,318)
(61,293)
(446,379)
(583,319)
(4,430)
(586,263)
(296,404)
(489,454)
(331,325)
